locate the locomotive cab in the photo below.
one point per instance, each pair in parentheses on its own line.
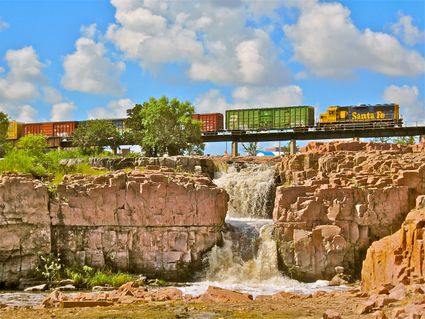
(334,114)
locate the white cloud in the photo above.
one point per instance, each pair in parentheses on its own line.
(62,111)
(3,24)
(24,64)
(24,76)
(211,38)
(325,39)
(249,97)
(89,70)
(114,109)
(19,112)
(412,108)
(211,102)
(404,28)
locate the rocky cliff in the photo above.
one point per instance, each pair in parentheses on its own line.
(398,258)
(336,198)
(151,222)
(24,225)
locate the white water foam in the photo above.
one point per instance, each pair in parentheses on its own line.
(258,275)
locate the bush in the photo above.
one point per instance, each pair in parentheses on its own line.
(101,279)
(49,267)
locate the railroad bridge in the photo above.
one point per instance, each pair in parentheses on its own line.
(293,136)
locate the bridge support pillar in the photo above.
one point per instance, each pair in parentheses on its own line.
(292,147)
(235,149)
(356,139)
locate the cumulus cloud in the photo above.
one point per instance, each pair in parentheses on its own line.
(21,84)
(3,24)
(89,70)
(19,112)
(62,111)
(114,109)
(405,29)
(412,108)
(212,39)
(325,40)
(249,97)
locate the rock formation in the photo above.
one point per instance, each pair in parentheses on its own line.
(399,258)
(24,225)
(152,222)
(336,198)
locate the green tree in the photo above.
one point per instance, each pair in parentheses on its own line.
(91,136)
(251,148)
(164,126)
(4,125)
(33,145)
(135,124)
(405,140)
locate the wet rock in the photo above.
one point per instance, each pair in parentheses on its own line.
(338,280)
(66,288)
(36,288)
(103,288)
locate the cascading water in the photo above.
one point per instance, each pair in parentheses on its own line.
(247,260)
(251,188)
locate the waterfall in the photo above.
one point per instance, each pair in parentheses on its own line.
(248,254)
(251,188)
(247,259)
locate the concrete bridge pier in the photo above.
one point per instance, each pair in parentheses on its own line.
(235,149)
(292,147)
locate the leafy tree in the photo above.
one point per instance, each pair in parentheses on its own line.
(164,126)
(134,122)
(91,136)
(405,140)
(4,124)
(33,145)
(251,148)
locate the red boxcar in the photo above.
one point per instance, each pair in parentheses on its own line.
(50,129)
(211,122)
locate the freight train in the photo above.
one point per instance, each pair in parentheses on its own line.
(297,118)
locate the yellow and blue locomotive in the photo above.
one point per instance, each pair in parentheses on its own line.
(360,116)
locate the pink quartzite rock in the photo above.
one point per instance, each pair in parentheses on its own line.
(398,259)
(158,224)
(337,197)
(24,226)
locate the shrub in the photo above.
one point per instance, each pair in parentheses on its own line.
(49,267)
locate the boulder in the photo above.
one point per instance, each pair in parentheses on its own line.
(216,294)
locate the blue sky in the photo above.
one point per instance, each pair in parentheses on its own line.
(63,60)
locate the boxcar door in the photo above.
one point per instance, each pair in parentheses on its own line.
(266,119)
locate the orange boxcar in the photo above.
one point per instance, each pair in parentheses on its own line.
(50,129)
(211,122)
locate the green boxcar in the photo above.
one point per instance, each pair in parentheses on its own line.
(276,118)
